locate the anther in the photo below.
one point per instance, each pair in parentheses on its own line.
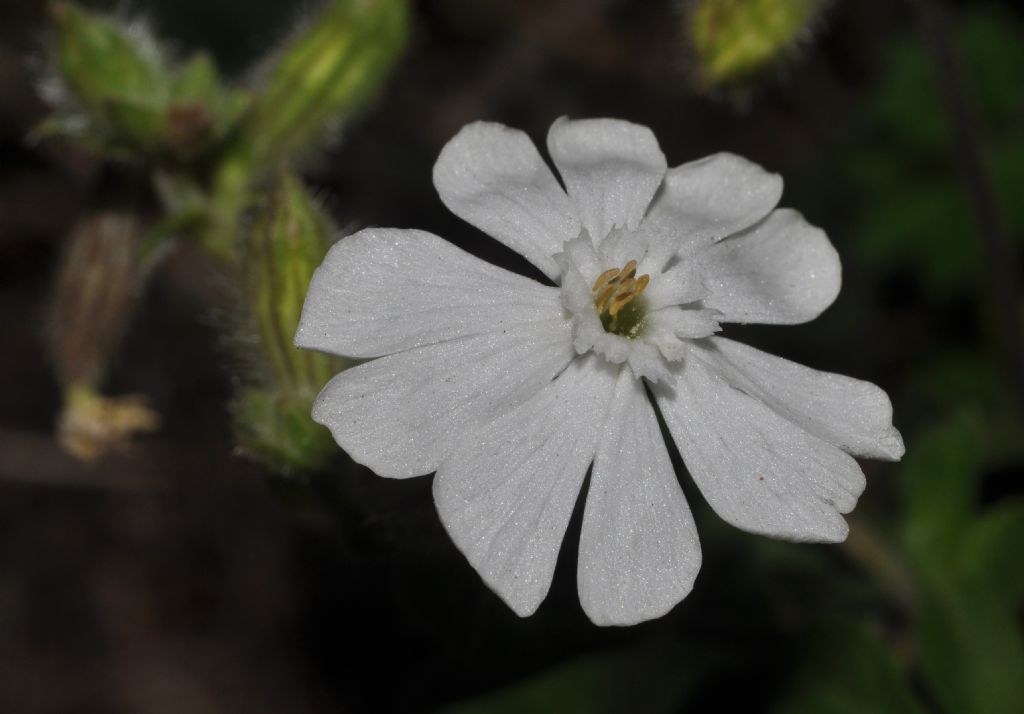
(616,288)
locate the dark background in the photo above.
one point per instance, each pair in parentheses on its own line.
(179,577)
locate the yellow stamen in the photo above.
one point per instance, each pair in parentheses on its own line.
(626,294)
(629,271)
(605,277)
(616,288)
(604,297)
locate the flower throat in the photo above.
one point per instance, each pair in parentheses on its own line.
(615,299)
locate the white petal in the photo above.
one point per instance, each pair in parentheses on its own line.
(670,329)
(758,471)
(783,271)
(646,362)
(688,324)
(580,255)
(506,494)
(611,168)
(400,415)
(493,177)
(383,290)
(854,415)
(706,200)
(678,285)
(639,552)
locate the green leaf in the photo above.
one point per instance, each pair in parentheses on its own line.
(990,555)
(938,475)
(969,639)
(902,168)
(957,379)
(971,651)
(651,678)
(851,671)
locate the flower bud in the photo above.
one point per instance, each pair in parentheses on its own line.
(91,424)
(120,97)
(200,111)
(96,295)
(324,74)
(274,428)
(286,242)
(735,40)
(116,73)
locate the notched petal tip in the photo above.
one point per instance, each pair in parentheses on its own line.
(493,177)
(892,445)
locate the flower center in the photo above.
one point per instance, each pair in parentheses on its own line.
(615,299)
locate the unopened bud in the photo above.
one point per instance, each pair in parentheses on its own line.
(116,73)
(200,111)
(121,97)
(274,428)
(91,424)
(96,295)
(324,74)
(286,242)
(733,41)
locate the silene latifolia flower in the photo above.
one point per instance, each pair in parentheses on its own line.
(511,389)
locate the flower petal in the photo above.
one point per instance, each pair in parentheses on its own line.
(493,177)
(384,290)
(639,552)
(854,415)
(759,471)
(783,271)
(400,415)
(506,494)
(704,201)
(678,285)
(611,168)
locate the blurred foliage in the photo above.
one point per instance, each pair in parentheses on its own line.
(211,153)
(901,169)
(848,669)
(119,96)
(968,634)
(652,677)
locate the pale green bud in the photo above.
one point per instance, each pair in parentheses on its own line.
(325,74)
(275,429)
(735,40)
(122,98)
(286,242)
(117,74)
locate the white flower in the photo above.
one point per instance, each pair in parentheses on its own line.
(510,389)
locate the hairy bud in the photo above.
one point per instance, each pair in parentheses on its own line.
(96,295)
(733,41)
(325,74)
(286,242)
